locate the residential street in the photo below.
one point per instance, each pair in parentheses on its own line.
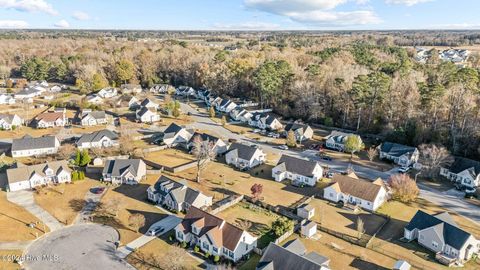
(451,203)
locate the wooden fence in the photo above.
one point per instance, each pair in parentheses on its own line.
(225,203)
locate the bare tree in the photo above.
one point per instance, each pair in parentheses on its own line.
(372,152)
(360,227)
(403,187)
(136,221)
(173,258)
(434,157)
(111,207)
(66,151)
(204,151)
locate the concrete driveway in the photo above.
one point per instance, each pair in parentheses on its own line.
(85,246)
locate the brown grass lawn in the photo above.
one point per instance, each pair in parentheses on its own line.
(359,158)
(169,157)
(181,120)
(6,262)
(161,249)
(221,179)
(131,200)
(14,220)
(22,131)
(65,201)
(344,220)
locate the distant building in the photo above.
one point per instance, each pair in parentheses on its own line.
(146,115)
(400,154)
(50,119)
(10,121)
(93,118)
(29,177)
(98,139)
(29,146)
(463,171)
(302,132)
(336,140)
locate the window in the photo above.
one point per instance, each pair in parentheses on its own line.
(180,235)
(368,203)
(205,245)
(331,194)
(421,237)
(230,254)
(215,249)
(434,244)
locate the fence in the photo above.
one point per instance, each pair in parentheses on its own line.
(387,220)
(284,236)
(226,203)
(354,240)
(175,169)
(155,149)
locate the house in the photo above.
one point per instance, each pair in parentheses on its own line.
(240,114)
(336,140)
(218,144)
(133,103)
(146,115)
(302,132)
(306,211)
(440,234)
(98,139)
(55,89)
(308,229)
(244,157)
(226,106)
(463,171)
(131,88)
(27,93)
(93,118)
(265,121)
(94,99)
(175,134)
(6,99)
(176,196)
(400,154)
(203,93)
(29,146)
(214,235)
(10,121)
(350,189)
(148,103)
(50,119)
(108,92)
(161,88)
(292,255)
(185,91)
(297,170)
(28,177)
(124,171)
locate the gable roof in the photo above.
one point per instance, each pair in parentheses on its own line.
(244,151)
(144,110)
(24,173)
(461,164)
(276,257)
(298,165)
(219,231)
(50,116)
(204,137)
(117,167)
(396,150)
(339,136)
(28,142)
(351,184)
(180,192)
(148,101)
(173,128)
(8,117)
(97,136)
(296,126)
(444,226)
(95,115)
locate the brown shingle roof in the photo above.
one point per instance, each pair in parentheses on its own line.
(219,231)
(351,184)
(49,116)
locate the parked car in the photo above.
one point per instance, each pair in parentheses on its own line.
(330,174)
(155,231)
(282,147)
(232,140)
(470,193)
(327,158)
(404,169)
(256,130)
(97,190)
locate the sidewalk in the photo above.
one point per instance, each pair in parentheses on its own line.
(17,245)
(25,199)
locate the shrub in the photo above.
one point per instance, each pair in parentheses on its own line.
(74,176)
(207,255)
(216,258)
(196,249)
(184,244)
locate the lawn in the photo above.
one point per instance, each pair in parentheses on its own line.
(6,259)
(181,120)
(221,179)
(169,157)
(65,201)
(129,200)
(14,220)
(251,218)
(344,220)
(251,263)
(163,253)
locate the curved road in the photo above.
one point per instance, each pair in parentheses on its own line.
(85,246)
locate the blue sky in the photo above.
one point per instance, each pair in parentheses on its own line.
(240,14)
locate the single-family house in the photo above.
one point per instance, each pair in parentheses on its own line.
(150,104)
(400,154)
(226,105)
(336,140)
(175,135)
(463,171)
(185,91)
(27,93)
(302,132)
(350,189)
(440,234)
(55,89)
(108,92)
(244,157)
(29,146)
(240,114)
(146,115)
(265,121)
(297,170)
(93,118)
(176,196)
(218,144)
(124,171)
(131,88)
(6,99)
(214,235)
(133,103)
(50,119)
(28,177)
(94,99)
(98,139)
(161,88)
(10,121)
(292,255)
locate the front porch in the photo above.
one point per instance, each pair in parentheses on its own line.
(446,259)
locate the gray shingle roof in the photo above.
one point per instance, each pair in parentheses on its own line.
(180,192)
(460,164)
(117,167)
(173,128)
(28,142)
(245,152)
(96,115)
(25,172)
(396,150)
(298,165)
(204,137)
(97,136)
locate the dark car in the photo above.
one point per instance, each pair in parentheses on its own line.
(232,140)
(327,158)
(97,190)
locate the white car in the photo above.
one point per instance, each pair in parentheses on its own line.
(282,147)
(155,231)
(404,169)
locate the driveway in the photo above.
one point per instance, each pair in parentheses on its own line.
(91,202)
(85,246)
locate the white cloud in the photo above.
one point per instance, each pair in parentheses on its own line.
(407,2)
(247,26)
(28,6)
(81,16)
(316,12)
(62,24)
(13,24)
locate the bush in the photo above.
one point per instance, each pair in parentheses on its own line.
(207,255)
(184,244)
(196,249)
(216,258)
(328,121)
(74,176)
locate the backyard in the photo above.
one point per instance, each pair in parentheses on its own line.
(169,157)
